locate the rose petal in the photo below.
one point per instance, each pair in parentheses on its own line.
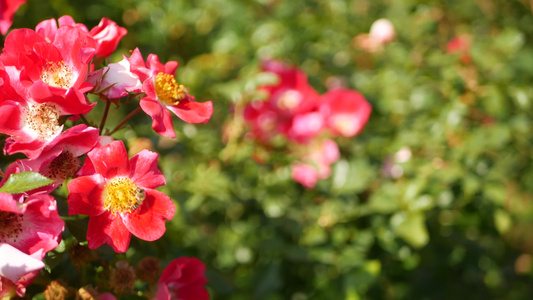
(108,229)
(148,221)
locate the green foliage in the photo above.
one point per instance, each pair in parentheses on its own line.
(433,200)
(23,182)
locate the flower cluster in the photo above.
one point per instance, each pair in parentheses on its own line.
(307,120)
(46,76)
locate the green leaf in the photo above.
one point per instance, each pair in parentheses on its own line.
(502,220)
(412,228)
(269,281)
(23,182)
(53,258)
(78,228)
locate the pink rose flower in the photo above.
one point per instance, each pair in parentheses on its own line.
(107,35)
(183,279)
(165,95)
(346,111)
(115,80)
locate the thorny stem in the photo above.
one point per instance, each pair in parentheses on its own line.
(104,117)
(129,116)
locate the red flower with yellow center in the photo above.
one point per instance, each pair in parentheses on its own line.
(119,196)
(164,94)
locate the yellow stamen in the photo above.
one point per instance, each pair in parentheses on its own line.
(57,74)
(168,90)
(121,195)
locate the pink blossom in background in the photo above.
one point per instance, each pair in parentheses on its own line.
(346,111)
(7,11)
(183,279)
(306,126)
(293,94)
(307,175)
(381,32)
(460,46)
(294,110)
(263,121)
(316,163)
(290,109)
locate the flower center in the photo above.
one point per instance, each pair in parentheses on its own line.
(122,195)
(64,166)
(10,226)
(289,99)
(168,90)
(345,124)
(57,74)
(43,119)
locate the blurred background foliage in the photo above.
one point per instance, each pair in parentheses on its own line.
(433,200)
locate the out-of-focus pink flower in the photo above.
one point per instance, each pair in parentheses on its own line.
(293,94)
(346,111)
(183,279)
(7,11)
(107,35)
(381,32)
(297,112)
(306,126)
(164,94)
(316,163)
(305,174)
(460,46)
(290,108)
(115,80)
